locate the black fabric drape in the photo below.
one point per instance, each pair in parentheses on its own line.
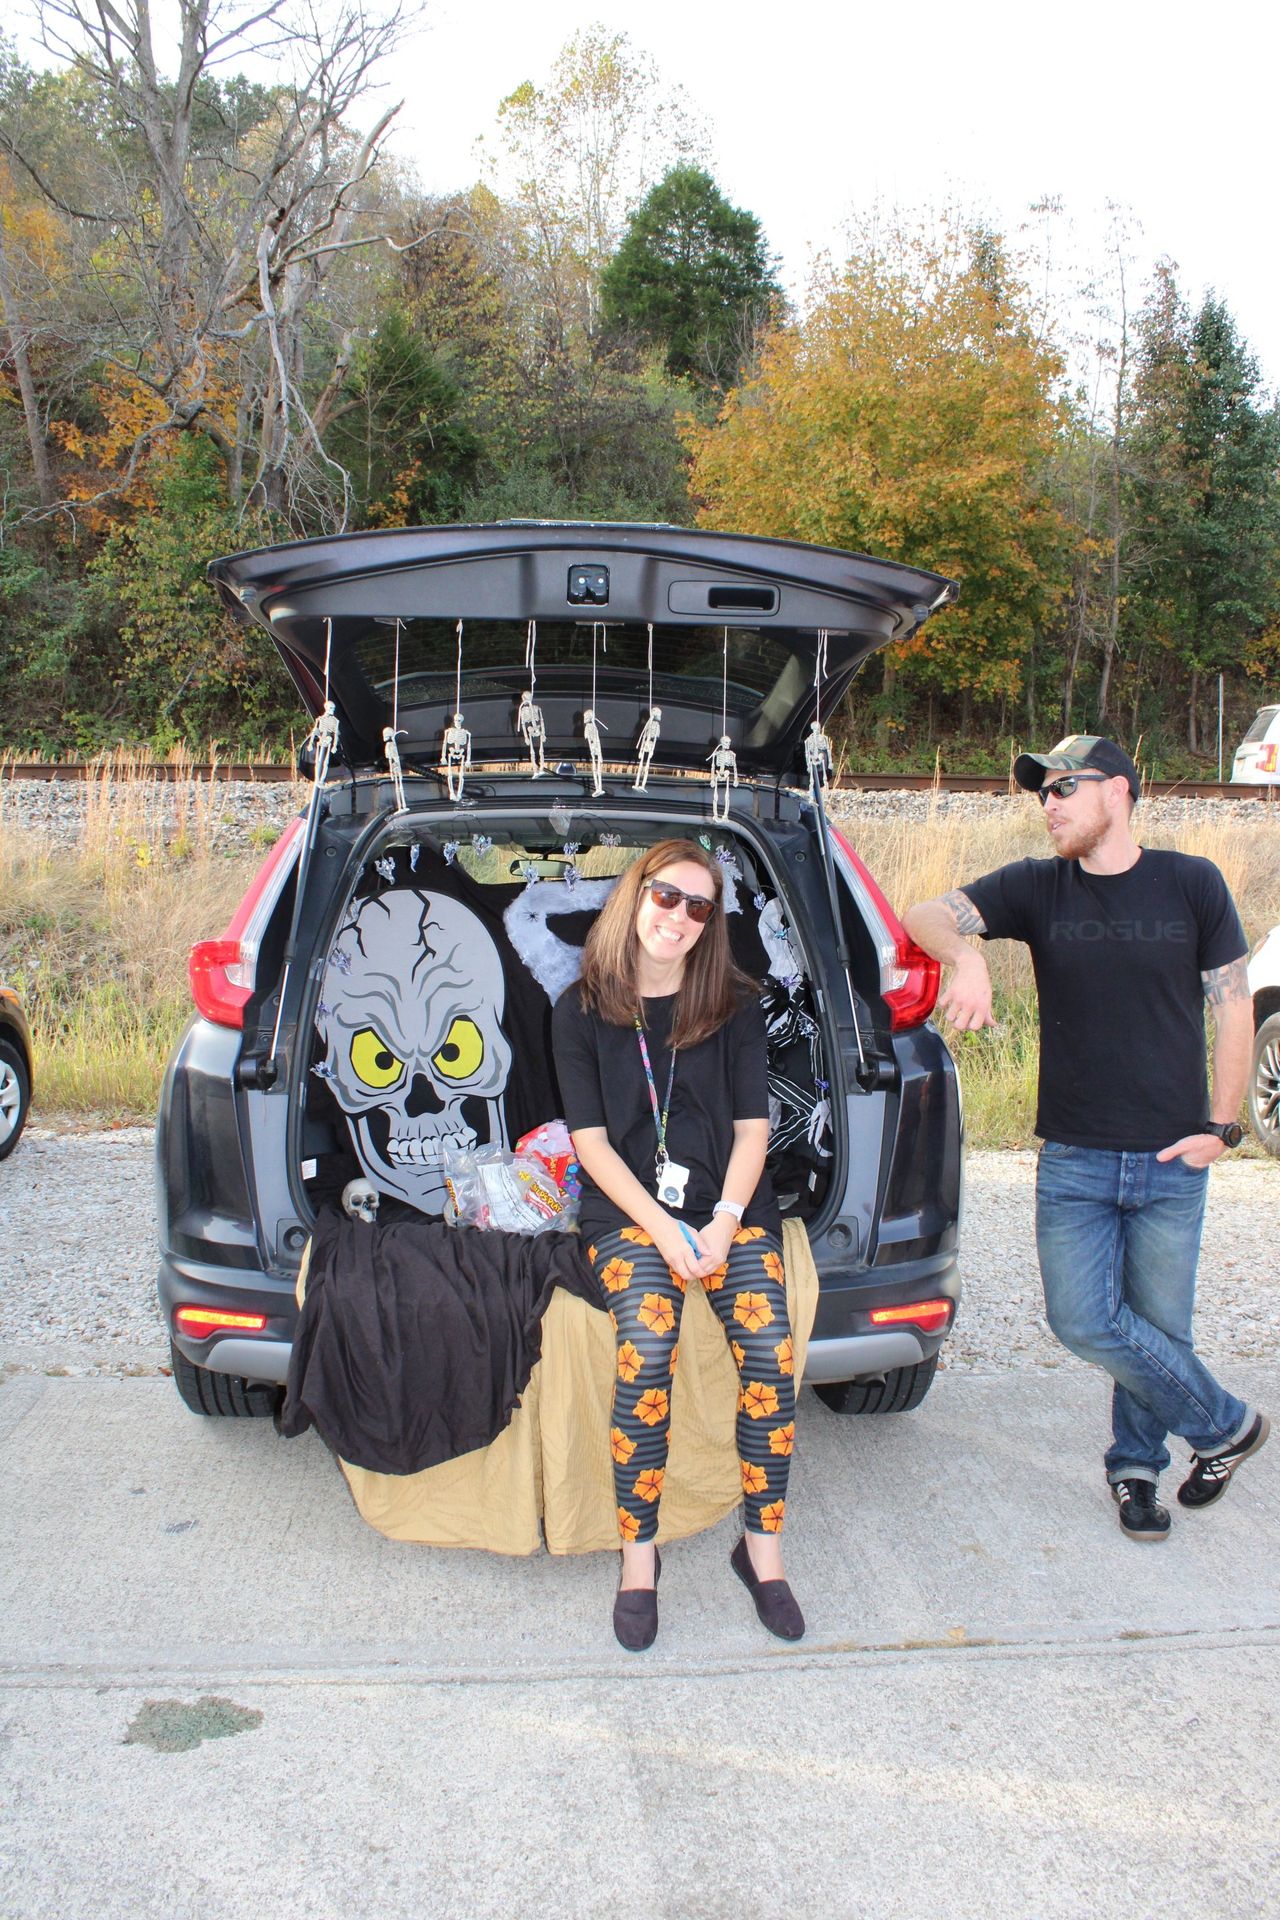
(416,1340)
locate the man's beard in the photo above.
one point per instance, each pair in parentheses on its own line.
(1083,838)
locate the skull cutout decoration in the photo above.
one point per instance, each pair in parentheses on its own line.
(415,1055)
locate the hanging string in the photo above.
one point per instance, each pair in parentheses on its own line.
(530,647)
(819,675)
(651,666)
(391,734)
(457,693)
(724,687)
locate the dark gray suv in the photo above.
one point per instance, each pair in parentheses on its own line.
(504,715)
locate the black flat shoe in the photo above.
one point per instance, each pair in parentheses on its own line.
(775,1602)
(635,1612)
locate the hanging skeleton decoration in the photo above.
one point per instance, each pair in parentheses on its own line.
(455,757)
(649,731)
(591,727)
(410,1018)
(724,761)
(644,747)
(724,774)
(591,734)
(392,733)
(529,722)
(455,752)
(817,748)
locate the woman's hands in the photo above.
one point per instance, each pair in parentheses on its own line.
(709,1248)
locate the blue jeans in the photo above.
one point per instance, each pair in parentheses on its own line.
(1118,1236)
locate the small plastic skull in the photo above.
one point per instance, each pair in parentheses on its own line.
(360,1201)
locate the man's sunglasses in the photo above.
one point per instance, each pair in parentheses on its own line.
(1064,788)
(669,898)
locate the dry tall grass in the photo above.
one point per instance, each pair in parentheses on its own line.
(916,862)
(96,939)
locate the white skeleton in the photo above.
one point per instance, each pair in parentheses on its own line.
(410,1013)
(532,730)
(644,747)
(455,756)
(817,756)
(591,734)
(724,772)
(394,764)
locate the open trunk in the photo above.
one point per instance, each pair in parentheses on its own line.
(448,943)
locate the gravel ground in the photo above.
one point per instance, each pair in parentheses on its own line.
(237,812)
(80,1299)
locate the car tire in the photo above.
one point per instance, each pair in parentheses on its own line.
(1264,1085)
(223,1395)
(15,1097)
(897,1391)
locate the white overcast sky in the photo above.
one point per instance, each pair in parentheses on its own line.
(813,110)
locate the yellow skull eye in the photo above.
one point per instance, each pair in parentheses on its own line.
(373,1059)
(462,1052)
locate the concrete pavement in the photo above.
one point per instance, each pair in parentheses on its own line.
(222,1694)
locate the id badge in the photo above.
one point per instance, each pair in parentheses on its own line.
(672,1181)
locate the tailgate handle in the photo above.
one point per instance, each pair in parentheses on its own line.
(742,599)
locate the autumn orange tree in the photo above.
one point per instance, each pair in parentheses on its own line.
(910,414)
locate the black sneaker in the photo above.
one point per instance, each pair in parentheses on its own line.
(1141,1515)
(1208,1477)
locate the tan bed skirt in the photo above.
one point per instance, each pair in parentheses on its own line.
(552,1464)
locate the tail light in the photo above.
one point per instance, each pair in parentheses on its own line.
(223,972)
(1267,758)
(908,976)
(200,1322)
(929,1315)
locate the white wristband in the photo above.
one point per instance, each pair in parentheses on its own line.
(729,1206)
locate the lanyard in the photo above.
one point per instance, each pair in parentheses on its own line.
(659,1119)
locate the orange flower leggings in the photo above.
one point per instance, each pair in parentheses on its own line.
(645,1304)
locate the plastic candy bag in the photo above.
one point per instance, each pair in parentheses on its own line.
(496,1190)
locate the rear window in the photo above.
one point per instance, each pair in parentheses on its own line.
(1262,720)
(766,677)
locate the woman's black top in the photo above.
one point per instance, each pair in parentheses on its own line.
(603,1084)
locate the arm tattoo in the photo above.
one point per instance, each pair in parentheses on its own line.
(1222,984)
(963,912)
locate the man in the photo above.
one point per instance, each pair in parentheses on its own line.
(1127,944)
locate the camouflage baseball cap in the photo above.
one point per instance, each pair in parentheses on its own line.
(1073,755)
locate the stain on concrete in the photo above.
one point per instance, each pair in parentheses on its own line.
(182,1526)
(176,1726)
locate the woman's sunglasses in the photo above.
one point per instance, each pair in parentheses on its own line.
(1064,788)
(669,898)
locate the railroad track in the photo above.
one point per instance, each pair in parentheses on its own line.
(252,774)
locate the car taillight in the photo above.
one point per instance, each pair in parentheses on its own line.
(202,1321)
(222,972)
(928,1315)
(908,976)
(1267,758)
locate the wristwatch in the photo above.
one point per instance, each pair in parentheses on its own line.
(1230,1132)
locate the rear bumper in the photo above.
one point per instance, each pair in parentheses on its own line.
(844,1344)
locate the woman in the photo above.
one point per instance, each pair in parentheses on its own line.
(660,1055)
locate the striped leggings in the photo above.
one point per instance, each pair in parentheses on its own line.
(645,1304)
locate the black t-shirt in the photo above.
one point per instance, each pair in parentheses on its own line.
(1118,959)
(603,1084)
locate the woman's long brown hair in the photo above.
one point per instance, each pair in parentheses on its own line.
(712,987)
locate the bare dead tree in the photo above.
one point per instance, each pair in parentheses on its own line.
(226,209)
